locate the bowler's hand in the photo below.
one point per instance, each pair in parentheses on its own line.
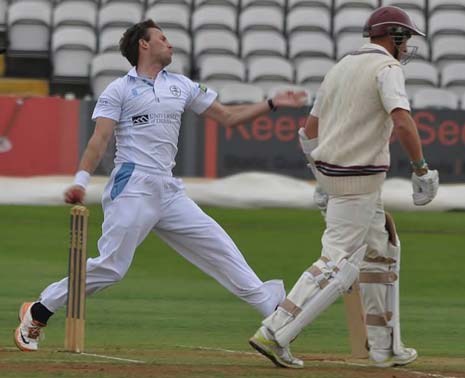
(290,99)
(75,194)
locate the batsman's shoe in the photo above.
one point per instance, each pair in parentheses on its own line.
(28,333)
(383,358)
(264,343)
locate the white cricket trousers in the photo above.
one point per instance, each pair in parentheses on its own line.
(136,202)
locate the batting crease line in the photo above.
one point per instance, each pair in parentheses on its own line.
(325,361)
(112,358)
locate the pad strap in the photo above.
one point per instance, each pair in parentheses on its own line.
(378,320)
(291,307)
(378,278)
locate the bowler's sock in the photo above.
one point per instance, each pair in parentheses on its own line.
(40,313)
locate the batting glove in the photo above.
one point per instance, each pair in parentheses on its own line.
(425,187)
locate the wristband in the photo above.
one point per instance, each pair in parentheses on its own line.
(419,167)
(271,105)
(82,178)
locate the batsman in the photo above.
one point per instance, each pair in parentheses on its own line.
(361,101)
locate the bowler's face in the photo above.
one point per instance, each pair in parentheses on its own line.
(160,49)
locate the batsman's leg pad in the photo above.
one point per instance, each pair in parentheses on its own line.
(316,289)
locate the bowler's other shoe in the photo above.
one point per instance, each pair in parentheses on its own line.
(28,332)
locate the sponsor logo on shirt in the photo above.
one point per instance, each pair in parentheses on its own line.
(141,120)
(175,91)
(156,118)
(203,88)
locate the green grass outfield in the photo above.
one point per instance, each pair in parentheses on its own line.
(168,314)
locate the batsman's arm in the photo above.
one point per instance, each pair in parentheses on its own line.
(234,115)
(90,159)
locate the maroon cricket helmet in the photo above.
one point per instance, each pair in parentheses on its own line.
(383,20)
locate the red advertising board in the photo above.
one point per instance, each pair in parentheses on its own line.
(38,136)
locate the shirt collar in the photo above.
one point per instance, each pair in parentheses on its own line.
(375,46)
(133,72)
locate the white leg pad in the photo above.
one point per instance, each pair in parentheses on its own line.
(312,294)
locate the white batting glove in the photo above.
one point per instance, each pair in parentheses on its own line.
(425,187)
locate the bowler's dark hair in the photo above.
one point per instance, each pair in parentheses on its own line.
(129,42)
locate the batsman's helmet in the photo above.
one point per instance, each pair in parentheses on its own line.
(388,21)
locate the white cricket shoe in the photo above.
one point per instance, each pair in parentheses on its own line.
(385,358)
(28,332)
(264,343)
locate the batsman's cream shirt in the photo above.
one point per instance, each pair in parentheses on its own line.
(148,116)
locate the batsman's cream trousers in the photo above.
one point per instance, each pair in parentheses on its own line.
(135,203)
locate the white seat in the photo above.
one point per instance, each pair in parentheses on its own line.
(169,15)
(369,4)
(348,43)
(423,49)
(261,18)
(462,101)
(447,48)
(214,17)
(308,19)
(276,3)
(267,72)
(215,42)
(453,77)
(291,4)
(29,26)
(180,40)
(305,44)
(3,11)
(220,70)
(420,75)
(78,13)
(119,15)
(418,18)
(105,68)
(406,4)
(259,43)
(435,5)
(73,48)
(311,72)
(446,22)
(108,39)
(232,3)
(186,3)
(350,20)
(240,93)
(103,2)
(435,98)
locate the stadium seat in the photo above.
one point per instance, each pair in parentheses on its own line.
(446,22)
(267,72)
(420,75)
(406,4)
(173,16)
(187,3)
(453,77)
(73,48)
(259,43)
(119,15)
(3,42)
(418,17)
(435,5)
(348,43)
(448,49)
(108,39)
(29,25)
(104,2)
(214,42)
(180,40)
(105,68)
(75,13)
(214,17)
(369,4)
(240,93)
(261,18)
(232,3)
(435,98)
(350,20)
(306,44)
(291,4)
(311,72)
(308,19)
(277,3)
(220,70)
(462,101)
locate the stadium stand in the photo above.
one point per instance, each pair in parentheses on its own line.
(304,34)
(218,71)
(435,98)
(106,67)
(239,93)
